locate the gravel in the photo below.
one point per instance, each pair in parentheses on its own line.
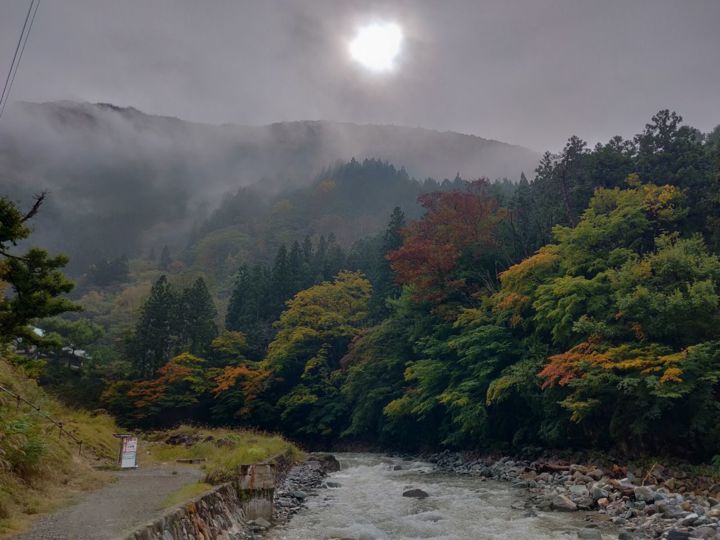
(134,499)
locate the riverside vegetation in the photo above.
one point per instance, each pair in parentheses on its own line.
(579,309)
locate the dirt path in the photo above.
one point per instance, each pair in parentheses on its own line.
(135,498)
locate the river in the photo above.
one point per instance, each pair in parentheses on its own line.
(369,505)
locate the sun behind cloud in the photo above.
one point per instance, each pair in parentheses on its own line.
(376,46)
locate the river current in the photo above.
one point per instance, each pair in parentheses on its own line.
(369,505)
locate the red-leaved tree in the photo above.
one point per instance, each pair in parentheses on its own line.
(444,253)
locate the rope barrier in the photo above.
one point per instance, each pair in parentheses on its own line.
(42,413)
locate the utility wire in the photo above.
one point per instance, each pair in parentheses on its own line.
(19,50)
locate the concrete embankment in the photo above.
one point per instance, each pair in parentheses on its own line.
(241,509)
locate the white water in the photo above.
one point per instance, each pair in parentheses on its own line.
(369,506)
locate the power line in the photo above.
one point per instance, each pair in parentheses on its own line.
(19,50)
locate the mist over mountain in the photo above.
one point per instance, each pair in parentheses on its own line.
(121,180)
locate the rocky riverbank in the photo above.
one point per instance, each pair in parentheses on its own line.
(301,481)
(651,506)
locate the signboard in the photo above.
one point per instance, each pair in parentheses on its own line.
(128,452)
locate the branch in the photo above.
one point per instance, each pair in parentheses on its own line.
(11,256)
(35,207)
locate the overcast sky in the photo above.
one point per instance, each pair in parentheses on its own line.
(530,72)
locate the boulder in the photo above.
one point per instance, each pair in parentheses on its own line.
(328,462)
(259,523)
(415,493)
(578,491)
(597,492)
(714,512)
(644,493)
(563,504)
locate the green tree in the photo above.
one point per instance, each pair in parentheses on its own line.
(165,259)
(385,284)
(198,314)
(31,283)
(156,336)
(304,358)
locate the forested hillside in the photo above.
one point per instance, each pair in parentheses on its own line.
(579,308)
(125,182)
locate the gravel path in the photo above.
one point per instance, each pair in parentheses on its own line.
(135,498)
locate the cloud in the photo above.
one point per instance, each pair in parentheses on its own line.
(531,72)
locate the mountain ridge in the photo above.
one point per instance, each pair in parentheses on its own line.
(136,179)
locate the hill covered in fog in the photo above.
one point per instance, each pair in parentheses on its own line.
(121,180)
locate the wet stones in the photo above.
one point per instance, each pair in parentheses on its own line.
(563,504)
(301,481)
(647,505)
(644,493)
(415,493)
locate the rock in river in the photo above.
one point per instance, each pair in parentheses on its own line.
(415,493)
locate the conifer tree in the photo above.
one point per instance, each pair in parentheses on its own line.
(31,284)
(198,315)
(165,259)
(385,284)
(155,338)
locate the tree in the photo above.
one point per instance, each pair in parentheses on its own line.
(165,259)
(178,391)
(198,314)
(385,283)
(303,361)
(156,336)
(108,271)
(34,279)
(448,255)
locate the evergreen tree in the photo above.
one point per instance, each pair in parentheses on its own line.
(156,333)
(249,310)
(296,268)
(165,260)
(281,279)
(334,258)
(318,264)
(35,279)
(385,285)
(198,315)
(108,271)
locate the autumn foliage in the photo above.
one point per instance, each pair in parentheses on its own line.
(458,229)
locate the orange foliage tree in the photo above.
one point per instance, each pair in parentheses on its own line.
(444,254)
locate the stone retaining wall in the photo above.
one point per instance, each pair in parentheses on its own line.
(223,514)
(218,514)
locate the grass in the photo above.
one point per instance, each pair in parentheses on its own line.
(222,449)
(39,469)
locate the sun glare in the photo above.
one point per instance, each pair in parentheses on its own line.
(376,46)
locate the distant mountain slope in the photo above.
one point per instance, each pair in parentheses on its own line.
(121,180)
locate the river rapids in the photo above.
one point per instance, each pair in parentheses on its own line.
(368,505)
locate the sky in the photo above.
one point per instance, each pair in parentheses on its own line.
(530,72)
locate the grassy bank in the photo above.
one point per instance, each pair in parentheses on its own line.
(40,469)
(219,451)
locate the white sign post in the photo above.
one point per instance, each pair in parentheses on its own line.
(128,452)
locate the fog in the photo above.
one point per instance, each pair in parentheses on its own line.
(121,181)
(529,72)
